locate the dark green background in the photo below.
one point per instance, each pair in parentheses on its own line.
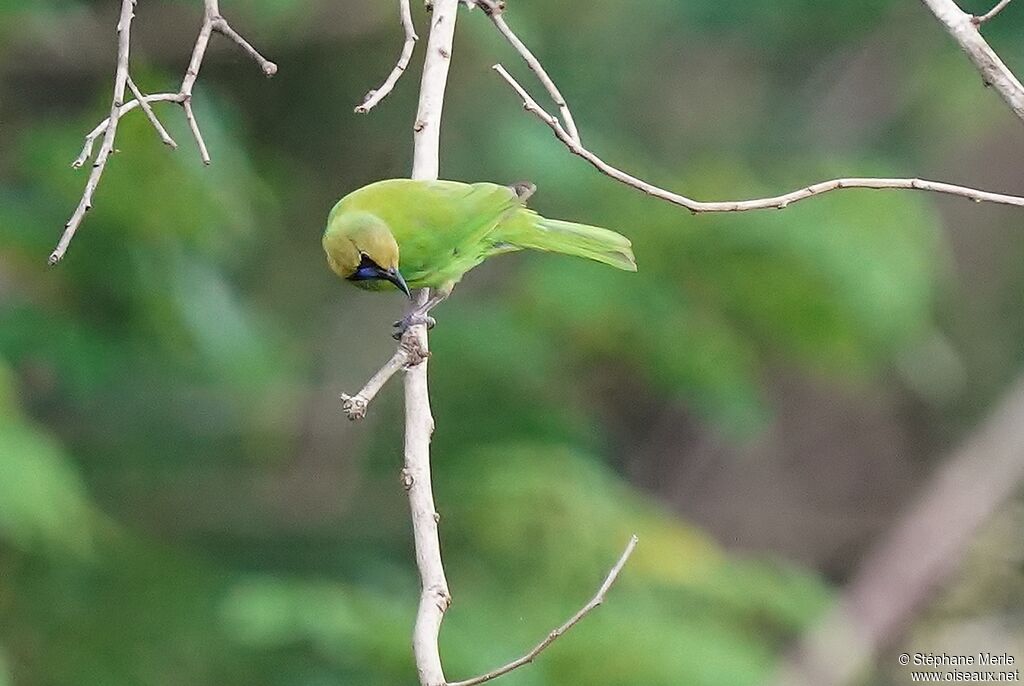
(181,499)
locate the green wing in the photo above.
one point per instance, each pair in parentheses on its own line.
(441,227)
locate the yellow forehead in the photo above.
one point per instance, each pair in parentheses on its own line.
(350,235)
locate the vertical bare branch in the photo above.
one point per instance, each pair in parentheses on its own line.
(419,424)
(427,129)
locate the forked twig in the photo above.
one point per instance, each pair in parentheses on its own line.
(565,129)
(777,202)
(496,11)
(124,25)
(140,97)
(212,21)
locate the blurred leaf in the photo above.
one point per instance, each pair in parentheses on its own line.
(550,523)
(358,629)
(43,502)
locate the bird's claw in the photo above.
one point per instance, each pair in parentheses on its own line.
(410,320)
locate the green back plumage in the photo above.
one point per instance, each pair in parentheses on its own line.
(445,228)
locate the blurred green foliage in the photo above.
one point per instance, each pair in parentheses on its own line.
(180,501)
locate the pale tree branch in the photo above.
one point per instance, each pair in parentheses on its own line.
(221,26)
(413,353)
(960,25)
(496,11)
(212,21)
(407,355)
(124,25)
(101,128)
(419,424)
(924,548)
(964,30)
(375,96)
(193,125)
(557,633)
(775,202)
(980,19)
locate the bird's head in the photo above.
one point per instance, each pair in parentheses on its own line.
(360,247)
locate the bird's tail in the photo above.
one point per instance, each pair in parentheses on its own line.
(580,240)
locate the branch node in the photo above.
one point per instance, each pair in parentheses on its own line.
(978,20)
(415,354)
(354,406)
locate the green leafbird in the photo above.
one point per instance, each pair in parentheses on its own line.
(408,234)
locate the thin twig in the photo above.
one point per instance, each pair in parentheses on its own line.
(124,25)
(221,26)
(775,202)
(193,124)
(407,355)
(419,424)
(964,30)
(981,19)
(556,633)
(140,98)
(192,73)
(496,11)
(212,21)
(375,96)
(90,138)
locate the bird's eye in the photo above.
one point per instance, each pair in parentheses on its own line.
(366,262)
(367,269)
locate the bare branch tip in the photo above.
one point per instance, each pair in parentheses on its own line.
(354,406)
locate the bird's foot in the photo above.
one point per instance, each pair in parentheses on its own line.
(414,318)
